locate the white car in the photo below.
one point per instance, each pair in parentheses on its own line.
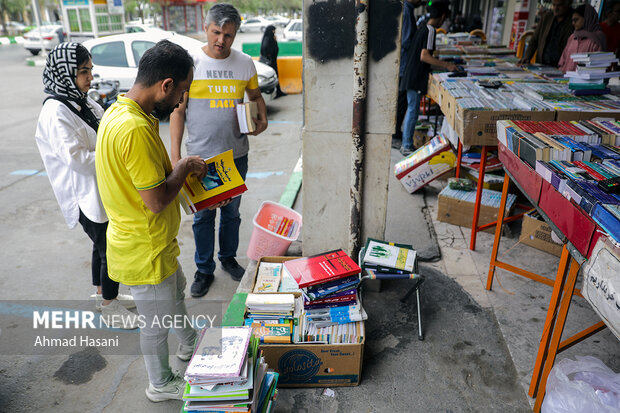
(294,31)
(277,21)
(47,37)
(254,24)
(14,28)
(116,58)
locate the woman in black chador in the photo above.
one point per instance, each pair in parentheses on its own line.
(269,52)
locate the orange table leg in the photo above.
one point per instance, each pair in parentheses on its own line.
(558,329)
(498,231)
(551,313)
(458,159)
(474,225)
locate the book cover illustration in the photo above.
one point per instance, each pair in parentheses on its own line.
(222,182)
(220,352)
(390,255)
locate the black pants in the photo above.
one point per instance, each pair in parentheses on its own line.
(401,110)
(99,265)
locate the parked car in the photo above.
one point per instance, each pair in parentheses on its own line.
(277,21)
(116,58)
(254,24)
(139,27)
(14,28)
(294,31)
(45,37)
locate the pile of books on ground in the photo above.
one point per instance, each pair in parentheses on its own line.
(589,76)
(228,374)
(330,312)
(271,316)
(588,174)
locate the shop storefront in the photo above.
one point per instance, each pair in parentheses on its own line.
(87,19)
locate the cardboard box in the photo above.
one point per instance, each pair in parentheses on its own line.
(578,115)
(313,365)
(427,163)
(479,127)
(457,207)
(536,233)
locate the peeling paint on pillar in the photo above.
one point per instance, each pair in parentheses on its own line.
(330,30)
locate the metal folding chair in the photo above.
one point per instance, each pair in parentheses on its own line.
(417,278)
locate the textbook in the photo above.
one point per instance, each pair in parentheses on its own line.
(321,268)
(222,182)
(246,112)
(390,255)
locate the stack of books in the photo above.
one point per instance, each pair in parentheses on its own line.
(589,76)
(331,312)
(271,316)
(228,374)
(388,258)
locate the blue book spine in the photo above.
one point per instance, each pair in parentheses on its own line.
(608,221)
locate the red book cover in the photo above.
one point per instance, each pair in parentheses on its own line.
(525,126)
(317,269)
(591,171)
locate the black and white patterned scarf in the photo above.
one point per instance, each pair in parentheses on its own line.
(59,80)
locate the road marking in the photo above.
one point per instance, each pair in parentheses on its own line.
(29,172)
(263,175)
(288,122)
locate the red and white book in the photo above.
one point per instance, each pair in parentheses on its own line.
(321,268)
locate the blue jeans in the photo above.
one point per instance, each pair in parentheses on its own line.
(411,118)
(228,234)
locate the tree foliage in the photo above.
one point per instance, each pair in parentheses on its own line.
(10,7)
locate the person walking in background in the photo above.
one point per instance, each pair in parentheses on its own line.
(587,37)
(418,68)
(551,35)
(66,135)
(269,53)
(408,30)
(611,27)
(139,189)
(221,78)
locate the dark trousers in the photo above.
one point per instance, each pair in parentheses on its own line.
(99,264)
(401,110)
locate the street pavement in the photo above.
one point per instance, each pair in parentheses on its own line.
(479,346)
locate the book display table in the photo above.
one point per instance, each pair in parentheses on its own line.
(477,125)
(579,234)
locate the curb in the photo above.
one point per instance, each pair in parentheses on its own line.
(35,61)
(11,40)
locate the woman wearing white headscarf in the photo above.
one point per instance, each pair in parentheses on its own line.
(587,37)
(66,135)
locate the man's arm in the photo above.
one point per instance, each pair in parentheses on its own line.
(427,57)
(532,45)
(158,198)
(177,126)
(261,121)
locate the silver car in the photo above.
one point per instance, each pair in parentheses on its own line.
(45,37)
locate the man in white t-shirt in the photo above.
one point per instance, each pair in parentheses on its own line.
(221,77)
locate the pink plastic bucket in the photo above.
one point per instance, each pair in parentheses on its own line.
(275,227)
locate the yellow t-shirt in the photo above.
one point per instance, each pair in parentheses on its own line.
(130,156)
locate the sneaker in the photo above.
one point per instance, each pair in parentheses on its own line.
(114,315)
(126,301)
(173,390)
(405,151)
(201,284)
(232,267)
(397,143)
(185,351)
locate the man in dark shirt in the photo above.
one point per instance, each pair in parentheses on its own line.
(418,68)
(551,34)
(406,37)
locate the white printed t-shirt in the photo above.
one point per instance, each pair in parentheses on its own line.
(211,117)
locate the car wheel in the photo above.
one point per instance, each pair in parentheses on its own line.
(34,51)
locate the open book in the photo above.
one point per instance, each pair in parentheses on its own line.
(246,112)
(222,182)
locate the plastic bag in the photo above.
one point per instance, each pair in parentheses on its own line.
(585,386)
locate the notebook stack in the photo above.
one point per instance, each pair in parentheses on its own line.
(228,374)
(270,316)
(589,76)
(331,310)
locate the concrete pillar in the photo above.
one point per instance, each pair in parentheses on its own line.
(329,35)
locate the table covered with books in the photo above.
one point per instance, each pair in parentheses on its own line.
(576,200)
(496,88)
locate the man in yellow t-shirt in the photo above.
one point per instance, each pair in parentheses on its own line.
(139,188)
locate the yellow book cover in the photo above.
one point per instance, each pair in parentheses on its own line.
(223,181)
